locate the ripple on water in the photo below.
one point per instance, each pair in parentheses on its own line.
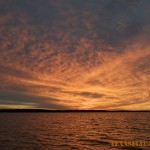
(71,131)
(93,142)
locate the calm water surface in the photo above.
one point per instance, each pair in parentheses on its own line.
(72,131)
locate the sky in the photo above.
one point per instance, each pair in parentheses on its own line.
(75,54)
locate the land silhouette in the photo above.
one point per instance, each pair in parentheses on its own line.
(73,111)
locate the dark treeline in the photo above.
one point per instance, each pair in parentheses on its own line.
(46,110)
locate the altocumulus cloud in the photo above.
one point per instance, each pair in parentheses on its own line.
(73,54)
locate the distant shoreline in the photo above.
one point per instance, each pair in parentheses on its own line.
(61,111)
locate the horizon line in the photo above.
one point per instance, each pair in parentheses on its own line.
(67,110)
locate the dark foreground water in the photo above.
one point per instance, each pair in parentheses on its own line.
(72,131)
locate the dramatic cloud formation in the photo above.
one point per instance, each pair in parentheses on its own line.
(75,54)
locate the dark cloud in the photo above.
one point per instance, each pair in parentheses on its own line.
(92,95)
(16,98)
(112,22)
(15,72)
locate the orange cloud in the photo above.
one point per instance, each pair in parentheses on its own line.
(73,59)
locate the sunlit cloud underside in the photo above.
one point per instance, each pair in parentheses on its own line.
(71,54)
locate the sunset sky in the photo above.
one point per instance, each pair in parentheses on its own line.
(75,54)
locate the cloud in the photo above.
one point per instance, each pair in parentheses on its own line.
(32,101)
(75,55)
(91,95)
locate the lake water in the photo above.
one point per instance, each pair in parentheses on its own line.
(72,131)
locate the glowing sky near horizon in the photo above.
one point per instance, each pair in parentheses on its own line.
(75,54)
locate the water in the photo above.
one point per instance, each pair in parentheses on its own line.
(72,131)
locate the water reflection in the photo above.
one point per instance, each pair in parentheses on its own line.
(65,131)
